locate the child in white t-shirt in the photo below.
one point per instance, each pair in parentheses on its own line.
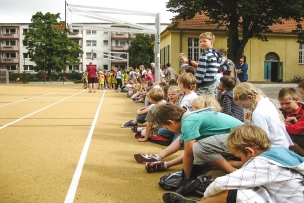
(187,83)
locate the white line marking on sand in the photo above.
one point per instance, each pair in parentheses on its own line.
(74,184)
(19,119)
(32,98)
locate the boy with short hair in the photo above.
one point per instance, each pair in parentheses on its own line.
(156,97)
(209,64)
(293,112)
(269,174)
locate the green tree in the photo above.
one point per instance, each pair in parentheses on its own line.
(141,50)
(48,46)
(251,18)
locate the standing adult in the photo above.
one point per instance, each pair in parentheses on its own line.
(92,76)
(242,69)
(169,72)
(118,78)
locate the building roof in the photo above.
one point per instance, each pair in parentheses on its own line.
(199,23)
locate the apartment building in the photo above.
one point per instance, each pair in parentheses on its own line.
(103,48)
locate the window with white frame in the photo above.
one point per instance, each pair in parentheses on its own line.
(28,68)
(10,43)
(73,68)
(105,33)
(301,54)
(91,43)
(120,43)
(194,49)
(25,30)
(25,43)
(76,31)
(91,32)
(11,55)
(10,31)
(105,67)
(26,55)
(105,55)
(91,55)
(11,67)
(119,33)
(105,43)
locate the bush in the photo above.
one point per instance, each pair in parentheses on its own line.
(297,79)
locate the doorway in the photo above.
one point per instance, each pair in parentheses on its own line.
(273,68)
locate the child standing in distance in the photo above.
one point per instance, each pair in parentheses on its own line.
(208,65)
(101,80)
(187,83)
(155,96)
(293,112)
(225,98)
(269,174)
(263,113)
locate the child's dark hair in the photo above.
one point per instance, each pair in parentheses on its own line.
(190,69)
(301,85)
(150,84)
(166,112)
(172,82)
(228,82)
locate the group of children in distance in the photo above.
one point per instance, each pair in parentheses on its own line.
(261,150)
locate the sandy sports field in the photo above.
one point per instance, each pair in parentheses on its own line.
(60,143)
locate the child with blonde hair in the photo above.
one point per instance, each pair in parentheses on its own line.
(187,84)
(268,174)
(205,101)
(293,111)
(263,113)
(173,95)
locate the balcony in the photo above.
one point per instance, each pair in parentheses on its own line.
(119,36)
(9,36)
(75,35)
(9,48)
(132,36)
(119,48)
(10,60)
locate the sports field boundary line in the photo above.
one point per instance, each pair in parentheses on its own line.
(76,177)
(8,124)
(32,98)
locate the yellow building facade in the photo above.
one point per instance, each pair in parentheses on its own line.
(277,60)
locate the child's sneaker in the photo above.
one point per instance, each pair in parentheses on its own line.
(169,197)
(157,166)
(128,124)
(145,158)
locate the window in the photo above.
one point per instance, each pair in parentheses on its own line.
(91,32)
(76,41)
(120,43)
(105,43)
(91,43)
(91,55)
(10,43)
(194,49)
(10,31)
(73,68)
(105,55)
(105,33)
(301,54)
(26,55)
(105,67)
(119,33)
(11,67)
(76,31)
(11,55)
(25,30)
(25,43)
(28,68)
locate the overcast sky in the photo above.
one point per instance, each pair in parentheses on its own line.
(21,11)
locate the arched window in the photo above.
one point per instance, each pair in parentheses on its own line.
(271,56)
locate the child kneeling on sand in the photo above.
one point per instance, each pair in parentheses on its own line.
(269,174)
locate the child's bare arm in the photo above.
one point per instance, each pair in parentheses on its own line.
(148,131)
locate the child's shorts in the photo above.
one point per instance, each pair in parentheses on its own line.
(211,149)
(298,139)
(141,118)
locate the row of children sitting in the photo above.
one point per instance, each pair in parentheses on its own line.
(205,130)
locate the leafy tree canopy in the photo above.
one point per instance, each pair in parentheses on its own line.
(49,47)
(141,50)
(251,18)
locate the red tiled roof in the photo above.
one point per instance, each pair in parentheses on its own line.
(199,23)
